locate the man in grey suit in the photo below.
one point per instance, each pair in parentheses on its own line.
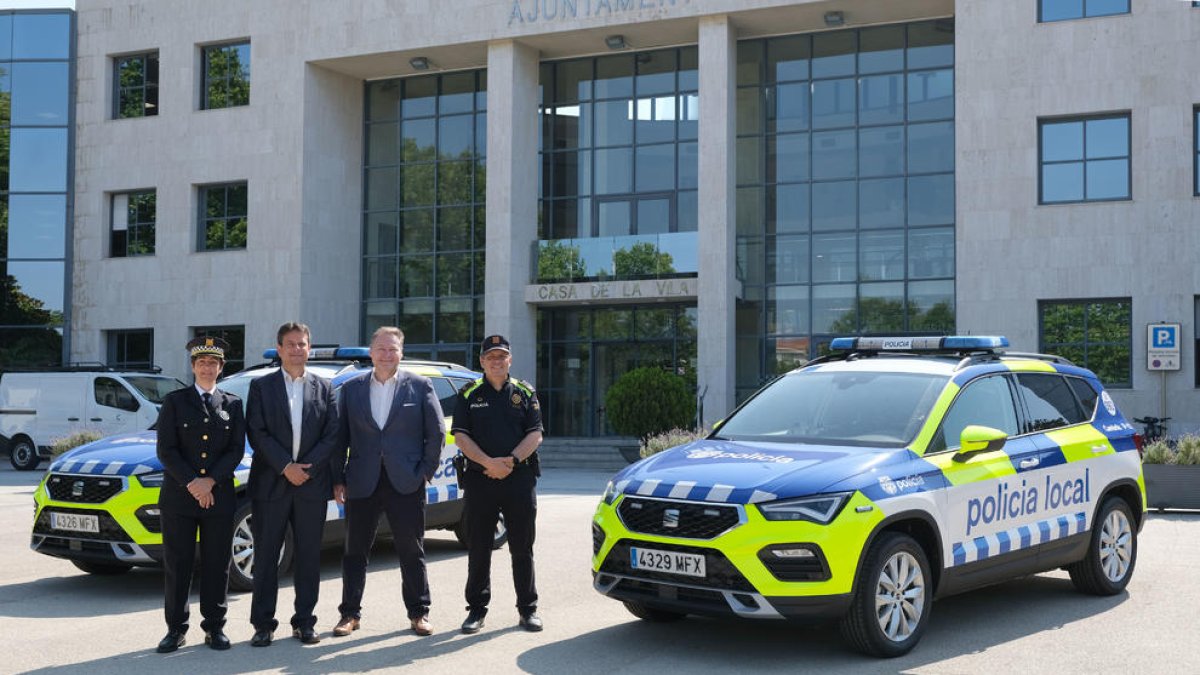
(291,421)
(392,423)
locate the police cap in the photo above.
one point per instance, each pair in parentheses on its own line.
(493,342)
(207,345)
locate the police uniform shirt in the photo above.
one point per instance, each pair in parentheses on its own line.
(497,420)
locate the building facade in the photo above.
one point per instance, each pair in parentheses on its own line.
(718,187)
(36,122)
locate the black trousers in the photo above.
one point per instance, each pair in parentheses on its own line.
(486,498)
(406,517)
(269,524)
(179,560)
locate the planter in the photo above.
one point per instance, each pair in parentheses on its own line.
(1172,486)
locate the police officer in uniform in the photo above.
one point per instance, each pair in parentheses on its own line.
(201,440)
(498,428)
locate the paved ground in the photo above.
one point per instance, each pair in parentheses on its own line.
(58,620)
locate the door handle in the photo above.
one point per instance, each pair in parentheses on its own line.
(97,419)
(72,419)
(1097,449)
(1029,463)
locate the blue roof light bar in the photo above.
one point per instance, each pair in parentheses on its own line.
(951,343)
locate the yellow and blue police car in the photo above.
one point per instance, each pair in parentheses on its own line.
(874,480)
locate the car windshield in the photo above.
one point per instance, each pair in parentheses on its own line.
(154,388)
(877,409)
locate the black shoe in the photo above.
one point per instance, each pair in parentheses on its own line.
(216,639)
(174,640)
(531,622)
(474,620)
(262,638)
(306,635)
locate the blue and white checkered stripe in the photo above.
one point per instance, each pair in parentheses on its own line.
(689,490)
(98,468)
(1034,534)
(433,495)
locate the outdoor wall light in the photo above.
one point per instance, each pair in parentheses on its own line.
(834,19)
(419,63)
(616,42)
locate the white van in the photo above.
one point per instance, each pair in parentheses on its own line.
(38,408)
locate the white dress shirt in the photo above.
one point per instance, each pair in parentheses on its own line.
(295,397)
(382,395)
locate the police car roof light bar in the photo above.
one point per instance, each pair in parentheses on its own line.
(951,343)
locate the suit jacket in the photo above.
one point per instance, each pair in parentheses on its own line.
(192,443)
(269,428)
(409,445)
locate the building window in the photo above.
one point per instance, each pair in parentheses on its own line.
(845,190)
(235,355)
(1084,159)
(1095,334)
(223,216)
(423,220)
(136,80)
(133,222)
(131,349)
(226,79)
(1065,10)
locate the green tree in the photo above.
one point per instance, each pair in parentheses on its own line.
(648,401)
(560,261)
(643,259)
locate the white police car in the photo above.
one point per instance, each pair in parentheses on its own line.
(871,482)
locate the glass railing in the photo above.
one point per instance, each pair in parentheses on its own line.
(650,256)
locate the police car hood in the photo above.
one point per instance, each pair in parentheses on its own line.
(120,455)
(751,472)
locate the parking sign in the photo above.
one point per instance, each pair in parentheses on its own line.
(1162,346)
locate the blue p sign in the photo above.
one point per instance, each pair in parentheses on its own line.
(1164,337)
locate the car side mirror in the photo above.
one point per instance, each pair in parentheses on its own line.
(977,438)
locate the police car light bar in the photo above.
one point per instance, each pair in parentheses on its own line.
(920,344)
(319,353)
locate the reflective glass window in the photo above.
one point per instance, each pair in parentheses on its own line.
(34,293)
(38,160)
(39,94)
(881,256)
(1085,159)
(224,216)
(834,205)
(790,207)
(1064,10)
(135,78)
(881,99)
(36,226)
(226,76)
(133,223)
(881,203)
(834,103)
(1096,334)
(41,36)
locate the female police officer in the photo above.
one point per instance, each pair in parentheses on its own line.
(201,440)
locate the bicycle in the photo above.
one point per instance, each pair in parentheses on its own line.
(1154,428)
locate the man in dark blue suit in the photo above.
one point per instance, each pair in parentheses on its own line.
(291,421)
(392,423)
(201,441)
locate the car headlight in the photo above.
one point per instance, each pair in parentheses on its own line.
(819,509)
(610,493)
(154,479)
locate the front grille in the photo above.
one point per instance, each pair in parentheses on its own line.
(699,600)
(719,572)
(109,529)
(598,537)
(686,520)
(795,568)
(83,489)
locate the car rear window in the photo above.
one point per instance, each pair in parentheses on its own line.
(1050,402)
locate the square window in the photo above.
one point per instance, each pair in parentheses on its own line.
(132,223)
(1095,334)
(1084,159)
(135,85)
(225,82)
(223,217)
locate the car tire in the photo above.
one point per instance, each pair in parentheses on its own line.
(101,569)
(1112,552)
(895,567)
(498,539)
(23,454)
(241,565)
(652,614)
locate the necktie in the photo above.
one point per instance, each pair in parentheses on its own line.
(208,405)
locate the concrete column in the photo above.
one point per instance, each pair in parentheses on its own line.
(512,175)
(717,276)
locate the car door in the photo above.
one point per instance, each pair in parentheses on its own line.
(988,499)
(111,408)
(1056,419)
